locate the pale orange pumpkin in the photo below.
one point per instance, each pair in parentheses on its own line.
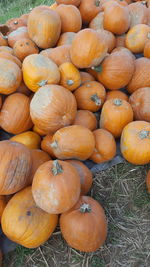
(69,76)
(116,94)
(15,23)
(148,181)
(16,35)
(24,47)
(46,145)
(86,77)
(59,55)
(138,14)
(29,139)
(97,22)
(66,38)
(86,118)
(11,58)
(109,38)
(146,51)
(24,17)
(89,9)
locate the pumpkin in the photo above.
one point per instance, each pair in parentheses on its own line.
(97,22)
(92,72)
(15,23)
(89,9)
(24,47)
(86,118)
(138,14)
(116,94)
(148,182)
(51,183)
(116,70)
(23,89)
(44,26)
(59,55)
(123,49)
(38,71)
(109,38)
(15,114)
(2,206)
(53,107)
(90,96)
(116,18)
(69,76)
(84,227)
(16,35)
(135,142)
(24,17)
(141,77)
(10,76)
(26,224)
(15,166)
(70,16)
(66,38)
(73,142)
(86,77)
(92,42)
(53,6)
(140,102)
(120,40)
(84,173)
(46,145)
(11,58)
(0,101)
(69,2)
(115,115)
(3,40)
(30,139)
(105,146)
(4,29)
(146,51)
(6,49)
(38,131)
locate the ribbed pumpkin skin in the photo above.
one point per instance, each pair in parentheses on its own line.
(44,26)
(86,77)
(11,58)
(6,49)
(86,118)
(89,9)
(26,224)
(109,38)
(116,94)
(138,14)
(66,38)
(84,231)
(135,148)
(46,145)
(97,22)
(148,181)
(59,55)
(16,35)
(29,139)
(2,206)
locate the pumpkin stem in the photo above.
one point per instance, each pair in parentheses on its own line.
(54,144)
(144,134)
(70,82)
(117,102)
(97,69)
(95,98)
(85,208)
(97,2)
(15,22)
(43,82)
(57,168)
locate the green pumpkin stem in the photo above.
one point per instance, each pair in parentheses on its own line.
(57,168)
(54,144)
(85,208)
(117,102)
(144,134)
(97,69)
(70,82)
(95,98)
(42,83)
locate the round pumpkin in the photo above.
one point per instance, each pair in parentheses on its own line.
(52,188)
(86,77)
(23,89)
(24,47)
(116,94)
(29,139)
(46,145)
(44,26)
(15,166)
(135,142)
(146,51)
(66,38)
(26,224)
(11,58)
(69,2)
(16,35)
(73,142)
(69,76)
(15,114)
(15,23)
(53,107)
(115,115)
(6,49)
(59,55)
(109,39)
(138,14)
(38,131)
(120,40)
(53,6)
(89,9)
(92,42)
(84,227)
(2,206)
(86,118)
(148,181)
(3,40)
(97,22)
(38,71)
(24,17)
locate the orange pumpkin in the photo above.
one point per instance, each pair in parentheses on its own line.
(141,77)
(3,40)
(73,142)
(148,181)
(66,38)
(105,146)
(140,102)
(46,145)
(138,14)
(11,58)
(116,94)
(120,2)
(10,76)
(53,6)
(38,131)
(0,101)
(120,40)
(86,118)
(109,38)
(53,107)
(89,9)
(23,89)
(6,49)
(15,23)
(59,55)
(16,35)
(2,206)
(84,227)
(44,26)
(93,72)
(24,223)
(50,184)
(69,76)
(70,16)
(86,77)
(15,114)
(90,96)
(69,2)
(85,175)
(135,142)
(24,47)
(147,49)
(24,17)
(29,139)
(92,42)
(97,22)
(115,115)
(15,167)
(38,71)
(124,49)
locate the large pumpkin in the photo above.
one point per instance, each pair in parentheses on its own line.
(135,142)
(2,206)
(138,14)
(16,35)
(11,58)
(97,22)
(44,26)
(116,94)
(46,145)
(59,55)
(69,76)
(26,224)
(109,39)
(86,77)
(30,139)
(66,38)
(73,142)
(53,107)
(148,181)
(52,188)
(86,118)
(15,114)
(84,227)
(15,166)
(24,47)
(89,9)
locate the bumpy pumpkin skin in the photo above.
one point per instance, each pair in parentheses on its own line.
(2,206)
(138,14)
(116,94)
(52,182)
(44,26)
(135,142)
(29,139)
(15,114)
(16,35)
(24,223)
(15,166)
(115,115)
(69,76)
(84,230)
(73,142)
(148,181)
(6,49)
(69,2)
(46,145)
(66,38)
(24,47)
(86,118)
(11,58)
(47,113)
(97,22)
(59,55)
(89,9)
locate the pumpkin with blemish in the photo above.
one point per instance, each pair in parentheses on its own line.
(46,145)
(24,47)
(11,58)
(16,35)
(116,94)
(138,14)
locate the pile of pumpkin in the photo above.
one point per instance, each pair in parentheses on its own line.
(59,65)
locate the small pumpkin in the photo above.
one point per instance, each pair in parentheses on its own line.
(3,40)
(84,227)
(16,35)
(120,40)
(66,38)
(146,51)
(115,115)
(23,89)
(24,47)
(148,181)
(86,118)
(89,9)
(59,55)
(51,183)
(90,96)
(69,2)
(38,71)
(38,131)
(26,224)
(2,206)
(29,139)
(109,38)
(86,77)
(97,22)
(73,142)
(53,107)
(135,142)
(69,76)
(6,49)
(46,145)
(15,23)
(116,94)
(138,14)
(11,58)
(15,114)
